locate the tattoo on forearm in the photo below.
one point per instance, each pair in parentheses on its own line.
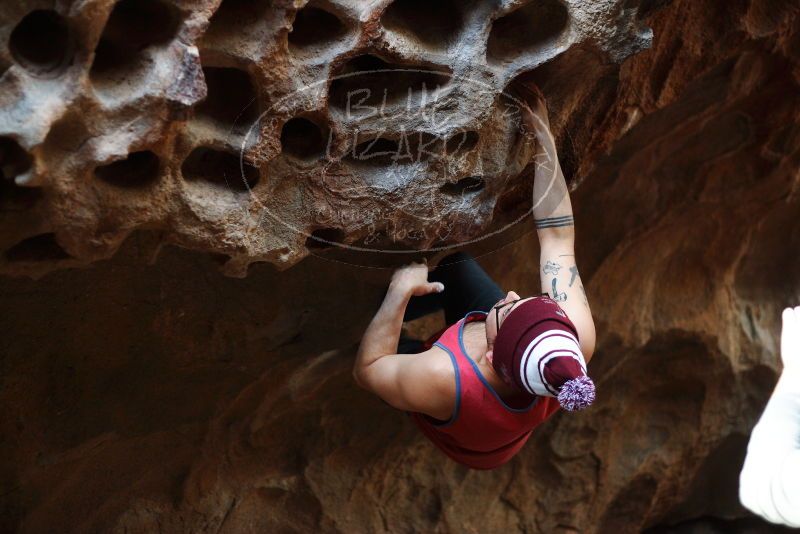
(551,267)
(555,222)
(558,297)
(574,271)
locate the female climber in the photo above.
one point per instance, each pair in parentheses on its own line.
(507,363)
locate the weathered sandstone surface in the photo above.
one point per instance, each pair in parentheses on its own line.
(151,391)
(256,129)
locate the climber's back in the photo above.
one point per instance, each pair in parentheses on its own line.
(489,423)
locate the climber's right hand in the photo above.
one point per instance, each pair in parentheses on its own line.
(535,117)
(536,123)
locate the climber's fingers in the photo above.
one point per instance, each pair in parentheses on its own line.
(426,289)
(538,108)
(412,279)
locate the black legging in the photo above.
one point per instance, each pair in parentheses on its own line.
(467,288)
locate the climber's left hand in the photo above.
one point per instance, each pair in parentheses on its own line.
(412,281)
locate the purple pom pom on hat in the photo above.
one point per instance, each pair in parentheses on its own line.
(576,394)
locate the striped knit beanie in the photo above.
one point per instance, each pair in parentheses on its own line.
(537,351)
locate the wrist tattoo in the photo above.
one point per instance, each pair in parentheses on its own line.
(555,222)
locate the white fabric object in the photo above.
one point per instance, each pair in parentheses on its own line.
(769,484)
(544,347)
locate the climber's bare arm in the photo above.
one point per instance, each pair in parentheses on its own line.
(414,382)
(555,227)
(561,279)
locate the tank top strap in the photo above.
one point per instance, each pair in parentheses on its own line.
(451,338)
(452,341)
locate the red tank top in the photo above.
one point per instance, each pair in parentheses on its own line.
(484,432)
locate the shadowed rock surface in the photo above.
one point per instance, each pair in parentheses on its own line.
(151,393)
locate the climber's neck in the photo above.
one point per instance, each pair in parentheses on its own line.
(475,342)
(476,346)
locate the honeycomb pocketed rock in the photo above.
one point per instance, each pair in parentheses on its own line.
(339,107)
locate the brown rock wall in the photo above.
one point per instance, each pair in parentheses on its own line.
(255,129)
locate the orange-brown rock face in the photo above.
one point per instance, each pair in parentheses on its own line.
(255,129)
(151,393)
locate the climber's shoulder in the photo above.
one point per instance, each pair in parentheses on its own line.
(437,383)
(423,382)
(440,366)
